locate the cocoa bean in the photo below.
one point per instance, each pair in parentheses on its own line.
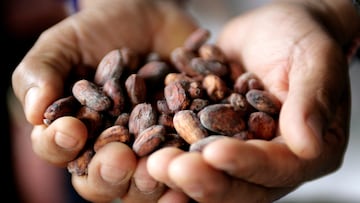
(110,66)
(188,126)
(222,119)
(67,106)
(89,94)
(141,117)
(116,133)
(149,140)
(263,101)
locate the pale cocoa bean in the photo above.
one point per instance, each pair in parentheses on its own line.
(177,77)
(197,38)
(215,87)
(195,90)
(149,140)
(141,117)
(263,101)
(222,119)
(262,125)
(67,106)
(91,95)
(211,52)
(188,126)
(136,89)
(113,90)
(176,97)
(110,66)
(116,133)
(79,166)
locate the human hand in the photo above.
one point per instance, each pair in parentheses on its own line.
(298,50)
(82,40)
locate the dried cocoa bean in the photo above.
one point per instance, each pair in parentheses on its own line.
(136,89)
(141,117)
(263,101)
(110,66)
(149,140)
(89,94)
(222,119)
(262,125)
(176,97)
(188,126)
(79,166)
(116,133)
(112,88)
(215,87)
(67,106)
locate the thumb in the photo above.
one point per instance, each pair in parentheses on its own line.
(317,79)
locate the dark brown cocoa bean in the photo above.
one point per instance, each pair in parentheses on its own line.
(67,106)
(122,119)
(141,117)
(263,101)
(113,90)
(205,67)
(136,89)
(180,59)
(262,125)
(174,140)
(92,119)
(222,119)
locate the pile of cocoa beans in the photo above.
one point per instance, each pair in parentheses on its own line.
(187,101)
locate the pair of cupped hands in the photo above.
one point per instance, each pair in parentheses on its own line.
(297,48)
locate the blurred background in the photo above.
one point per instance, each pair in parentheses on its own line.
(21,22)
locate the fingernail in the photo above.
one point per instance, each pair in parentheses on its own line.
(31,96)
(65,141)
(146,184)
(112,174)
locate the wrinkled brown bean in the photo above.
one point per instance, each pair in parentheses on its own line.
(215,87)
(149,140)
(141,117)
(79,166)
(263,101)
(110,66)
(92,119)
(176,97)
(188,126)
(136,89)
(66,106)
(116,133)
(113,90)
(262,125)
(222,119)
(91,95)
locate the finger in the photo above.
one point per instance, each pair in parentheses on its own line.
(39,78)
(174,196)
(196,178)
(143,187)
(159,162)
(109,174)
(313,95)
(61,141)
